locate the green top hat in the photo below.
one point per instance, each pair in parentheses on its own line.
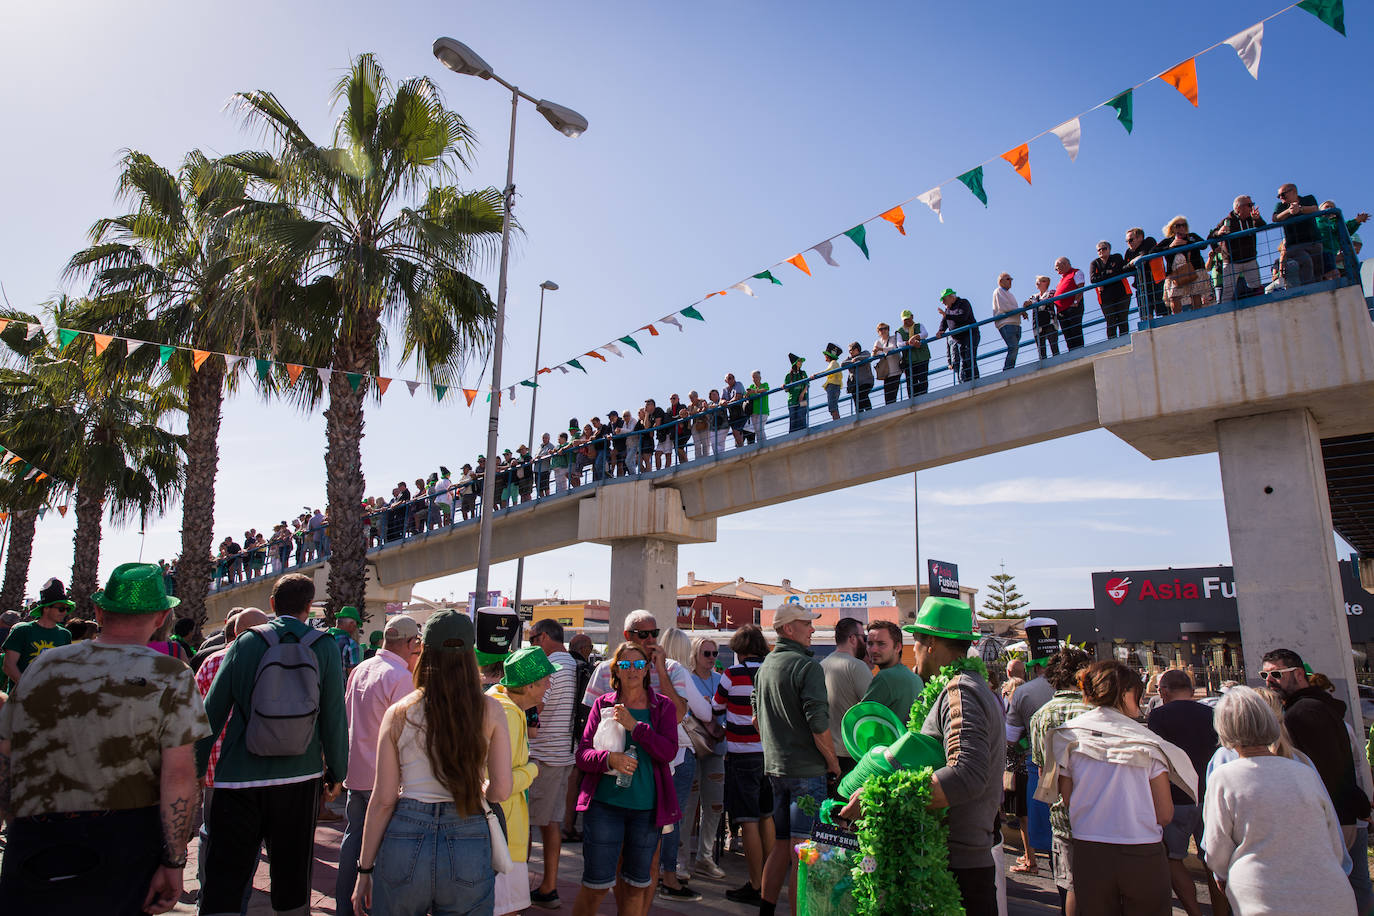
(349,612)
(526,666)
(135,588)
(497,630)
(450,630)
(944,617)
(868,725)
(52,593)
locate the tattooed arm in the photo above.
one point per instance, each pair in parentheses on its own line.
(179,801)
(4,782)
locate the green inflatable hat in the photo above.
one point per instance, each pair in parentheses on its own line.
(944,617)
(868,725)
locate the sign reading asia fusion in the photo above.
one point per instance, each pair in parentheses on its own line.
(1144,604)
(943,578)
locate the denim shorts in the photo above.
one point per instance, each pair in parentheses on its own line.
(1187,822)
(433,859)
(796,804)
(612,834)
(748,794)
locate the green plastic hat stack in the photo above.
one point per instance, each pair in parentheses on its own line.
(874,763)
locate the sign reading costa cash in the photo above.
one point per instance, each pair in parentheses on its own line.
(1143,603)
(815,600)
(944,578)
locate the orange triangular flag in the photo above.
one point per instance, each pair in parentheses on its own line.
(293,372)
(382,382)
(4,323)
(62,511)
(595,354)
(13,459)
(470,394)
(40,476)
(1020,160)
(896,217)
(799,262)
(4,517)
(653,331)
(1184,79)
(543,371)
(101,342)
(198,358)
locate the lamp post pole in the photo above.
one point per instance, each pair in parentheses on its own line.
(534,399)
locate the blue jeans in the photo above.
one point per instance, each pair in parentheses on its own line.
(349,848)
(682,781)
(796,804)
(796,417)
(1011,333)
(609,830)
(433,860)
(599,466)
(1359,875)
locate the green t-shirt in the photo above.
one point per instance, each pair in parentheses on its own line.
(759,398)
(639,794)
(30,640)
(896,688)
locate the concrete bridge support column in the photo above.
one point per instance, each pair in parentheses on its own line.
(643,575)
(1288,589)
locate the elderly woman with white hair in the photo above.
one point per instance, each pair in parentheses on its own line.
(1271,836)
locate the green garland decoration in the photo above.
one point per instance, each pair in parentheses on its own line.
(903,844)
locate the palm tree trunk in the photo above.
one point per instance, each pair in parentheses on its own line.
(22,525)
(86,551)
(344,486)
(204,403)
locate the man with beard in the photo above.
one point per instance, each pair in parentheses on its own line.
(847,676)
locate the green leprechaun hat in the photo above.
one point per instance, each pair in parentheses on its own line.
(944,617)
(867,725)
(135,588)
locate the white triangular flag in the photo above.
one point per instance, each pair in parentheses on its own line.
(614,349)
(1069,133)
(933,200)
(132,345)
(672,319)
(824,248)
(412,386)
(511,389)
(324,375)
(34,331)
(744,288)
(1247,45)
(229,362)
(562,369)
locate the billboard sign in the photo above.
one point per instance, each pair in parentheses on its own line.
(943,578)
(816,600)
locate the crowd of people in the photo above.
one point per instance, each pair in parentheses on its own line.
(1183,271)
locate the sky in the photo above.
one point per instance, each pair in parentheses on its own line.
(724,137)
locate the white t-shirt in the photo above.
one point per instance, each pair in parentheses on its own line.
(1111,803)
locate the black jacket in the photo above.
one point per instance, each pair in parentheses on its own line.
(1316,723)
(1242,249)
(959,314)
(1114,266)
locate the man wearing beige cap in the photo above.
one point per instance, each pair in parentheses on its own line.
(375,685)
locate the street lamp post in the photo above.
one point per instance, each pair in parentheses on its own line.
(459,58)
(546,286)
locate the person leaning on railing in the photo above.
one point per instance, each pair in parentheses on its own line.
(860,376)
(1149,295)
(1302,239)
(1185,274)
(1043,320)
(1070,308)
(1331,241)
(1240,273)
(758,407)
(915,354)
(1115,298)
(956,314)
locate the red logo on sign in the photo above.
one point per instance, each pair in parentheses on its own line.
(1118,589)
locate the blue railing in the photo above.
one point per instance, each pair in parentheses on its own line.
(1273,274)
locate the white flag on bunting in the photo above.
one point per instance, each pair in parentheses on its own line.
(34,331)
(1248,46)
(672,319)
(933,199)
(562,369)
(825,249)
(230,362)
(744,288)
(1069,133)
(324,375)
(614,349)
(132,345)
(511,392)
(412,386)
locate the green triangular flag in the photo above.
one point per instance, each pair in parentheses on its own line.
(691,312)
(529,384)
(575,364)
(440,391)
(164,353)
(264,368)
(768,275)
(65,337)
(42,511)
(859,236)
(1332,12)
(354,380)
(631,342)
(1125,108)
(973,180)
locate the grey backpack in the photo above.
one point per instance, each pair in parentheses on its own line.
(286,695)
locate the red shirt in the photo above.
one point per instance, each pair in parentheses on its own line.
(1068,283)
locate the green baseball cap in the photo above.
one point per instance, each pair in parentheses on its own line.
(944,617)
(349,612)
(450,630)
(947,292)
(135,588)
(527,665)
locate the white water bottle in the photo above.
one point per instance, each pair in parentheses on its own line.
(623,780)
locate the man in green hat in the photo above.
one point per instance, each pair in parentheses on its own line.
(43,631)
(374,644)
(797,393)
(97,765)
(347,624)
(967,718)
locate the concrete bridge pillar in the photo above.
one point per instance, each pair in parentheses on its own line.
(643,525)
(1288,588)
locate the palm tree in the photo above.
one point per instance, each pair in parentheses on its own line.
(171,270)
(381,239)
(87,422)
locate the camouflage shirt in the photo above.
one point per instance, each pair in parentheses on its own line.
(1062,707)
(88,724)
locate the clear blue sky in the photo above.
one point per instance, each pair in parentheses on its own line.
(724,137)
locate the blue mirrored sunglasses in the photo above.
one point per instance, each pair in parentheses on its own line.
(638,664)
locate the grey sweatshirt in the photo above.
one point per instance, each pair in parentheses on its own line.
(968,719)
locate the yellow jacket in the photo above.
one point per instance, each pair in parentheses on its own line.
(517,807)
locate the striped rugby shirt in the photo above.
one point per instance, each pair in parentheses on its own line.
(734,698)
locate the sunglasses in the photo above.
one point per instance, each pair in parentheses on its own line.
(710,654)
(646,634)
(637,664)
(1275,674)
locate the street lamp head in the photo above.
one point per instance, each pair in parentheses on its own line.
(548,285)
(459,58)
(566,121)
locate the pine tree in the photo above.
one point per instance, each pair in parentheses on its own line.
(1003,599)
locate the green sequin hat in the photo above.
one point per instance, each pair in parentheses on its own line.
(526,666)
(944,617)
(135,588)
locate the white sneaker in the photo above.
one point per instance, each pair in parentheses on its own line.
(709,869)
(683,874)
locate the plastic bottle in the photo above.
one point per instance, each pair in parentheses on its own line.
(623,780)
